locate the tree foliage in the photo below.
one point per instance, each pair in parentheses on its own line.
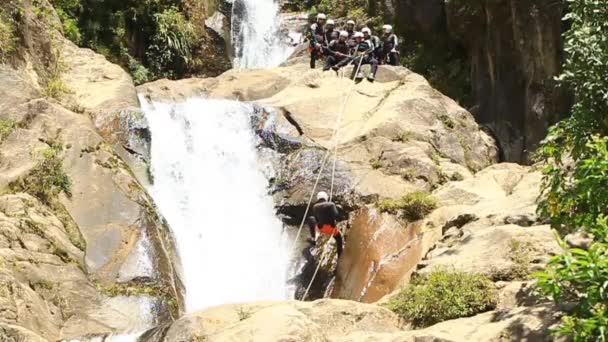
(150,38)
(575,180)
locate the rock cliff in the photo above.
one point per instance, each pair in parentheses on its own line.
(514,49)
(83,250)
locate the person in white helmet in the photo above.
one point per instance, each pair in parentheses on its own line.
(350,28)
(338,51)
(363,54)
(329,35)
(316,36)
(390,46)
(374,40)
(324,219)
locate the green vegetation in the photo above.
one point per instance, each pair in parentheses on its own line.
(54,87)
(404,136)
(150,38)
(447,121)
(68,11)
(47,179)
(376,163)
(141,288)
(8,38)
(413,206)
(443,295)
(575,157)
(410,174)
(6,128)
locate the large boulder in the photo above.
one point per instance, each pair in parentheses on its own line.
(344,321)
(318,321)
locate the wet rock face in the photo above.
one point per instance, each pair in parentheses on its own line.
(515,50)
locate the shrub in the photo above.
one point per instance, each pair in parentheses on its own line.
(6,128)
(413,206)
(447,121)
(376,164)
(54,87)
(443,295)
(410,174)
(8,38)
(575,156)
(170,51)
(47,179)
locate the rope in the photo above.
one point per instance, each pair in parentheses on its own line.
(335,137)
(323,163)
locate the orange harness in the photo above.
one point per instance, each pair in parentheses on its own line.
(329,230)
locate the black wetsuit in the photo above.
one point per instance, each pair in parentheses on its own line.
(338,51)
(390,43)
(363,55)
(325,213)
(316,35)
(377,47)
(327,38)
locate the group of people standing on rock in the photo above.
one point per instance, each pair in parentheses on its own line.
(348,46)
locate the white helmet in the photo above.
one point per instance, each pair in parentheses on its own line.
(358,35)
(366,30)
(350,22)
(322,195)
(321,16)
(387,28)
(331,22)
(344,34)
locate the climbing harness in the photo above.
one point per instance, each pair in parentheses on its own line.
(335,152)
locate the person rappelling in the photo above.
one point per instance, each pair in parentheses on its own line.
(316,36)
(323,219)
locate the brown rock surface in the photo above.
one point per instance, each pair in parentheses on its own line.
(282,321)
(344,321)
(486,223)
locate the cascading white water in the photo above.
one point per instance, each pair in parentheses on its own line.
(209,185)
(256,34)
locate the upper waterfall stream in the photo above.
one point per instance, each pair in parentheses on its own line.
(256,34)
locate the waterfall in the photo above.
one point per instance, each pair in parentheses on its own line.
(256,34)
(210,186)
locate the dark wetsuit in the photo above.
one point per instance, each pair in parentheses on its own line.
(363,55)
(324,217)
(377,47)
(327,38)
(389,43)
(316,35)
(337,51)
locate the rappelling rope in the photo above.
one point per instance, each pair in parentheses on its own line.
(324,160)
(335,137)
